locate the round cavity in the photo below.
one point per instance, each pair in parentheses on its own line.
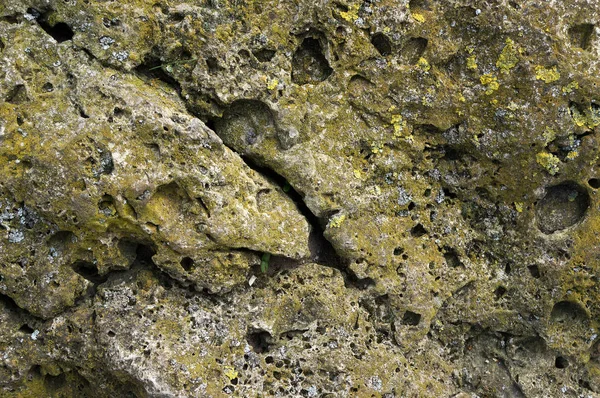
(563,206)
(594,183)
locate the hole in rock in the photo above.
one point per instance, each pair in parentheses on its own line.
(309,64)
(34,372)
(452,258)
(55,383)
(534,271)
(417,231)
(59,31)
(499,292)
(398,251)
(187,264)
(264,54)
(411,318)
(26,329)
(594,183)
(154,69)
(244,124)
(563,206)
(413,49)
(16,95)
(89,271)
(561,362)
(581,35)
(382,43)
(568,312)
(259,340)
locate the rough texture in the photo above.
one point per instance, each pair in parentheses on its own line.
(419,180)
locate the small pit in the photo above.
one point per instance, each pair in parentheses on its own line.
(563,206)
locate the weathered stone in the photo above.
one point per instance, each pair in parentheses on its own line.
(381,198)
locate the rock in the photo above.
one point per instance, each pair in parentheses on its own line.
(310,199)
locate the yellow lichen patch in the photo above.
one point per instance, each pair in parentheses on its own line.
(352,14)
(508,57)
(400,126)
(418,17)
(548,161)
(337,220)
(272,85)
(358,174)
(519,206)
(491,83)
(376,147)
(547,75)
(572,155)
(231,373)
(423,64)
(549,135)
(569,88)
(472,62)
(588,118)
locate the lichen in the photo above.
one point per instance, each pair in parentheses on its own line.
(490,82)
(547,74)
(569,88)
(418,17)
(472,62)
(423,64)
(352,14)
(336,221)
(548,161)
(508,58)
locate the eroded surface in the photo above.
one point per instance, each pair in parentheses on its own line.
(424,176)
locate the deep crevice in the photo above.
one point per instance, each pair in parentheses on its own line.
(152,69)
(322,251)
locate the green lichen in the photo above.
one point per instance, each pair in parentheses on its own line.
(569,88)
(352,14)
(490,82)
(547,75)
(548,161)
(418,17)
(508,58)
(588,117)
(423,64)
(337,221)
(472,62)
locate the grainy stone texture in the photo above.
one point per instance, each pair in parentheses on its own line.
(423,174)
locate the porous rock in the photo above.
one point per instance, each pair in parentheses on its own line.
(317,199)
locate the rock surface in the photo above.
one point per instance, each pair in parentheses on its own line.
(314,199)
